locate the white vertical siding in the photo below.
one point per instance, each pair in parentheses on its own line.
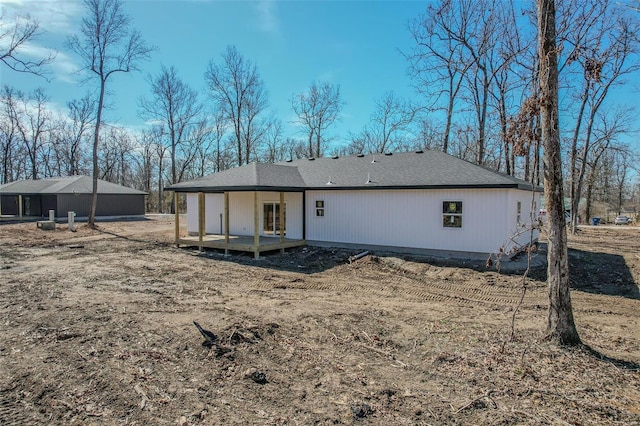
(409,218)
(241,212)
(521,232)
(192,213)
(214,210)
(400,218)
(213,207)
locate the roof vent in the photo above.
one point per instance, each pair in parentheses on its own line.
(368,179)
(360,155)
(419,151)
(388,153)
(374,158)
(335,157)
(330,181)
(310,158)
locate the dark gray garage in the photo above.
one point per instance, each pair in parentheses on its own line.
(34,198)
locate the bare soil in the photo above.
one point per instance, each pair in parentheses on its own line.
(96,327)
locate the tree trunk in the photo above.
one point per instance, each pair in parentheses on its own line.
(450,106)
(560,326)
(589,194)
(574,157)
(96,170)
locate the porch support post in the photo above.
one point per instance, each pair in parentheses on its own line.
(200,218)
(20,206)
(256,223)
(177,218)
(281,220)
(226,222)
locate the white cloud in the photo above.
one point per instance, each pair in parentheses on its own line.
(11,2)
(267,19)
(63,67)
(53,16)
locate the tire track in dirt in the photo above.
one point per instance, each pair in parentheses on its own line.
(13,415)
(413,288)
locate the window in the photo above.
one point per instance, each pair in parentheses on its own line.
(452,214)
(319,208)
(519,212)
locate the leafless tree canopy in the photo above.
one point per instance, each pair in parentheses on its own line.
(317,109)
(238,91)
(176,106)
(389,127)
(15,34)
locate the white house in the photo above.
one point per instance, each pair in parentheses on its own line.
(427,201)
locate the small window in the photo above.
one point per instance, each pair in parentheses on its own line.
(319,208)
(452,214)
(519,212)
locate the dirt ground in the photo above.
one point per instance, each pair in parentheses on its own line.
(96,327)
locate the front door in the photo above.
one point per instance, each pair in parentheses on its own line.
(272,219)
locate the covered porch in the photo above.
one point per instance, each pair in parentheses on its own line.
(226,241)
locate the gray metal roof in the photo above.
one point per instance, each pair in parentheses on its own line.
(428,169)
(65,185)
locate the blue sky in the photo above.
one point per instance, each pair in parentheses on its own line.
(351,43)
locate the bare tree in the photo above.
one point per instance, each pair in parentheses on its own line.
(560,325)
(146,158)
(221,157)
(33,124)
(621,175)
(609,126)
(389,124)
(204,136)
(81,113)
(107,46)
(465,51)
(176,106)
(276,150)
(317,110)
(604,61)
(9,135)
(15,34)
(237,89)
(161,152)
(116,155)
(436,62)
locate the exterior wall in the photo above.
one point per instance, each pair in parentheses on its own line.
(214,212)
(9,204)
(241,218)
(520,231)
(31,205)
(108,205)
(410,218)
(78,203)
(192,212)
(49,202)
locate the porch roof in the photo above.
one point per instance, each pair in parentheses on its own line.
(252,177)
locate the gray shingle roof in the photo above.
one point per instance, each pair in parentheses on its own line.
(429,169)
(281,177)
(65,185)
